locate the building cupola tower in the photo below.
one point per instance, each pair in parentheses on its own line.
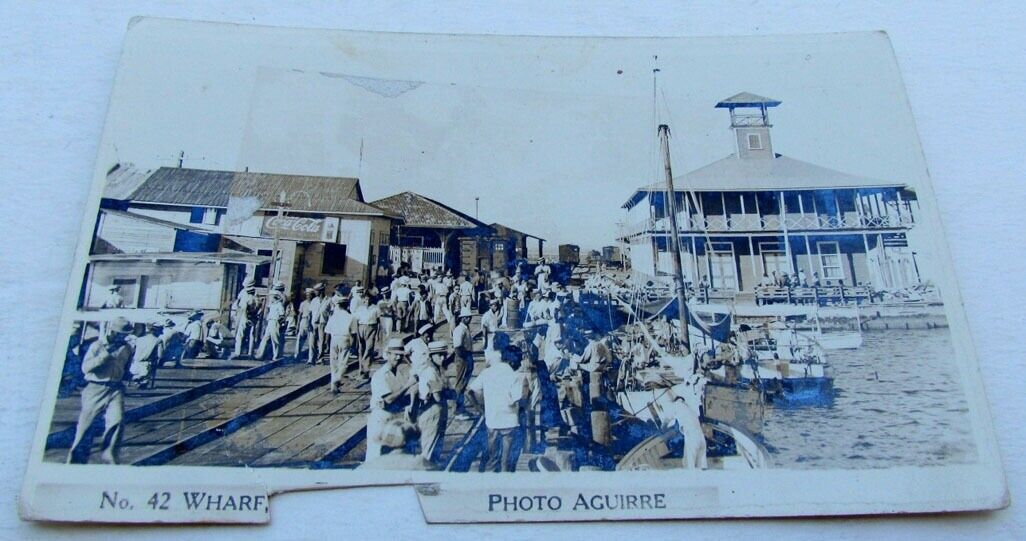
(750,121)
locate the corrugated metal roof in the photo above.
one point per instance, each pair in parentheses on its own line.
(207,188)
(123,179)
(328,195)
(761,174)
(419,211)
(747,99)
(189,187)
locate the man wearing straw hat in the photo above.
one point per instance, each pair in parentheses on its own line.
(342,328)
(430,409)
(103,366)
(303,322)
(273,323)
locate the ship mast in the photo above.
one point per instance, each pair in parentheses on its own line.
(678,267)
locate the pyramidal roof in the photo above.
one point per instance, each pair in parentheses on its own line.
(747,99)
(420,211)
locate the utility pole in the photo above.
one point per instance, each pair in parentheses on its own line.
(678,267)
(476,199)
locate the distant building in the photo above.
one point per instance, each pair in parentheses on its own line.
(611,255)
(757,213)
(432,235)
(570,254)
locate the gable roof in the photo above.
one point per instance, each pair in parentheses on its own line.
(747,99)
(420,211)
(329,195)
(733,174)
(123,179)
(190,187)
(207,188)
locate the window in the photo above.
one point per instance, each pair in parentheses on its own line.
(128,291)
(830,260)
(499,246)
(334,261)
(210,216)
(196,215)
(722,266)
(754,141)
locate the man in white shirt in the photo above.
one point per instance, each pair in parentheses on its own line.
(490,323)
(431,408)
(401,297)
(342,328)
(103,366)
(316,340)
(303,325)
(418,350)
(500,390)
(389,391)
(368,317)
(272,324)
(463,358)
(193,335)
(148,349)
(247,311)
(466,291)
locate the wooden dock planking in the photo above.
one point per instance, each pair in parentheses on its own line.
(270,432)
(169,382)
(157,431)
(324,436)
(213,429)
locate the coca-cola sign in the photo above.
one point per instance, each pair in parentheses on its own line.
(300,228)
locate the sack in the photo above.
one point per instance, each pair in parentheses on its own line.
(393,434)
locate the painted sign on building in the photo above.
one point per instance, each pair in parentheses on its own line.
(300,228)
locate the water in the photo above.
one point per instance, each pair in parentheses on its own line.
(898,403)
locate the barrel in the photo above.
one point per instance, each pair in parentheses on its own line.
(513,320)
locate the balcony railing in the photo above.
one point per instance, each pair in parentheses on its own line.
(775,223)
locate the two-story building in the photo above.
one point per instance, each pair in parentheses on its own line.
(178,238)
(756,214)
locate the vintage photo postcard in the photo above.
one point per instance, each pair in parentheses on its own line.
(538,278)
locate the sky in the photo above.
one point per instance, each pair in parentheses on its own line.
(551,134)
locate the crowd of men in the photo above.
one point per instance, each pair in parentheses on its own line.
(416,340)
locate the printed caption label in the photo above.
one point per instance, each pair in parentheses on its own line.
(117,503)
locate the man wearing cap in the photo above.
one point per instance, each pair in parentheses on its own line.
(193,332)
(542,273)
(466,291)
(342,329)
(463,358)
(148,350)
(247,310)
(103,366)
(417,349)
(316,325)
(490,323)
(401,297)
(273,323)
(389,392)
(431,411)
(368,317)
(303,325)
(214,337)
(113,299)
